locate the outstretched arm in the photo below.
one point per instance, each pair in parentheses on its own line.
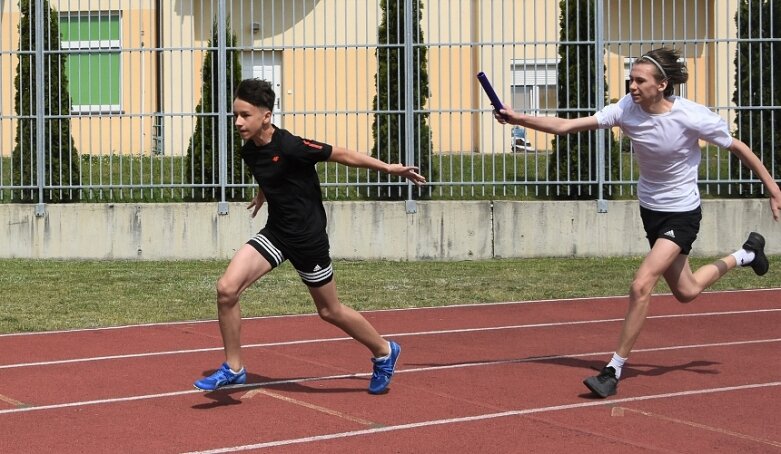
(356,159)
(750,160)
(553,125)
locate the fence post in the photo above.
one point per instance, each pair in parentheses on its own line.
(40,106)
(222,113)
(409,99)
(599,72)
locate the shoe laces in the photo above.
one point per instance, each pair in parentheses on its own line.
(222,375)
(605,374)
(383,368)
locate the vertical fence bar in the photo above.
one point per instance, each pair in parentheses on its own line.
(40,119)
(599,71)
(222,100)
(409,111)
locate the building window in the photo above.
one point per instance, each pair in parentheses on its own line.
(534,86)
(94,73)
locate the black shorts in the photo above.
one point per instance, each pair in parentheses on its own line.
(679,227)
(312,261)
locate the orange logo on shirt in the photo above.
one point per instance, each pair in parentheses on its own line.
(312,145)
(275,158)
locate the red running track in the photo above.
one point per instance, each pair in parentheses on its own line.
(704,376)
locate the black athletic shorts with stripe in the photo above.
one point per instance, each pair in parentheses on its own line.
(679,227)
(314,266)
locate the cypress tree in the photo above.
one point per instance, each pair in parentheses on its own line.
(388,130)
(575,155)
(203,150)
(757,84)
(61,159)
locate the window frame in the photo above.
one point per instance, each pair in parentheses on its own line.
(111,47)
(535,73)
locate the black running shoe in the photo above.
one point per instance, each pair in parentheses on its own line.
(756,244)
(604,384)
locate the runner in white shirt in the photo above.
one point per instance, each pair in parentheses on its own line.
(665,131)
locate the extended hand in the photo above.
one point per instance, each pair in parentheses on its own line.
(505,115)
(408,172)
(775,206)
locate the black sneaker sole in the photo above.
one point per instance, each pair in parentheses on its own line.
(756,244)
(593,384)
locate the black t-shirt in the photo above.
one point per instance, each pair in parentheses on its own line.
(285,170)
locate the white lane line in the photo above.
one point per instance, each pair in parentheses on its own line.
(393,335)
(366,374)
(448,307)
(483,417)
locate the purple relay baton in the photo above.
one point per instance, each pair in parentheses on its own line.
(489,90)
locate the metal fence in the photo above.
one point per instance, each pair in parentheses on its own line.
(130,100)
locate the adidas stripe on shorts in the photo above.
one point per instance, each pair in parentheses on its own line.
(313,266)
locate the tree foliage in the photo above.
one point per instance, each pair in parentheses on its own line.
(757,85)
(388,129)
(61,159)
(575,155)
(203,150)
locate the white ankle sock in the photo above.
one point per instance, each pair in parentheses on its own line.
(743,257)
(617,363)
(383,358)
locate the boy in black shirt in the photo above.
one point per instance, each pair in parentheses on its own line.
(284,167)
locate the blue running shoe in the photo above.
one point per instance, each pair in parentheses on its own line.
(223,377)
(383,370)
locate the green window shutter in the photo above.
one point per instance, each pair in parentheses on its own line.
(94,77)
(94,27)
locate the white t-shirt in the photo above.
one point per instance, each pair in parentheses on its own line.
(667,149)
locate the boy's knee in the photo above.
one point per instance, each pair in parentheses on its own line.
(683,296)
(226,292)
(640,288)
(329,314)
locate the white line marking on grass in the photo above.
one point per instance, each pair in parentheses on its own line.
(366,374)
(483,417)
(338,339)
(404,309)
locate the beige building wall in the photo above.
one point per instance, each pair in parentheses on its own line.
(320,81)
(184,27)
(9,18)
(452,72)
(710,64)
(648,22)
(346,84)
(527,22)
(95,134)
(722,59)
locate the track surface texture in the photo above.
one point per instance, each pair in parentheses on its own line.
(498,378)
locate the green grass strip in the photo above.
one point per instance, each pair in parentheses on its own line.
(42,295)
